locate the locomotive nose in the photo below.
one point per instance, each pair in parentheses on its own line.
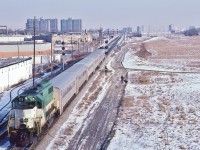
(22,126)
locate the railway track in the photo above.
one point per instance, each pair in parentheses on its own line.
(14,147)
(3,131)
(102,120)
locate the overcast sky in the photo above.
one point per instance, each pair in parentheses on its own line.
(105,13)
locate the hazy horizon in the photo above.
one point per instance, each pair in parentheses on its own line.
(107,14)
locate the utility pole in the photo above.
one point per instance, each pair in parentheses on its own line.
(63,54)
(34,52)
(83,47)
(18,49)
(78,48)
(51,54)
(71,48)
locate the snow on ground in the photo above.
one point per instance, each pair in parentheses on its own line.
(135,62)
(84,109)
(160,110)
(156,39)
(5,145)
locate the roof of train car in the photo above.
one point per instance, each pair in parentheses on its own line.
(62,79)
(96,53)
(86,61)
(77,68)
(70,74)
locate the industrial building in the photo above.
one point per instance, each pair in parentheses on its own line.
(13,71)
(23,49)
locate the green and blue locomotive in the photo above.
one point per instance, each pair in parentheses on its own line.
(30,112)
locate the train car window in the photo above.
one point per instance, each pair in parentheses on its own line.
(31,104)
(50,90)
(39,105)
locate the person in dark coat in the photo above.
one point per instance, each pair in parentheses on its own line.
(106,69)
(122,78)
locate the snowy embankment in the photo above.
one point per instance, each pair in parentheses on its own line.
(79,118)
(160,110)
(164,65)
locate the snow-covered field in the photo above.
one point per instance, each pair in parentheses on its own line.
(161,106)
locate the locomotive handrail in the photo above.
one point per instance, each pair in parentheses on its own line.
(9,100)
(4,117)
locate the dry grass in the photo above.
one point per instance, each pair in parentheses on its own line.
(161,107)
(127,102)
(143,79)
(69,130)
(147,106)
(176,47)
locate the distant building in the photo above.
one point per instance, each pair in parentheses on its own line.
(63,24)
(191,27)
(127,30)
(53,25)
(171,28)
(77,25)
(44,25)
(139,30)
(70,25)
(30,26)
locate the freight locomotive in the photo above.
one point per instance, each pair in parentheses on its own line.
(36,108)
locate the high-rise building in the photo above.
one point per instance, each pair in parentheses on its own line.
(30,26)
(63,24)
(66,25)
(44,25)
(139,30)
(70,25)
(77,25)
(53,25)
(171,28)
(127,30)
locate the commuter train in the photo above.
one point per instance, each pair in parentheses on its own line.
(35,109)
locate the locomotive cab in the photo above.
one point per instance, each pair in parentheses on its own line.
(30,112)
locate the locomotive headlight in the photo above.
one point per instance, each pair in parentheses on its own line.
(21,120)
(26,120)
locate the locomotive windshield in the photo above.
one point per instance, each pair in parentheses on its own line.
(25,103)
